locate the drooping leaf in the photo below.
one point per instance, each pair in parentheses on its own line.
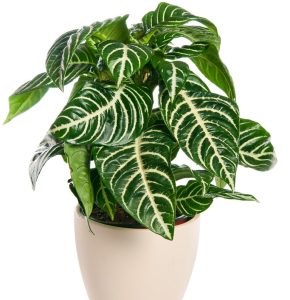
(174,75)
(104,115)
(33,91)
(206,126)
(139,176)
(211,66)
(172,16)
(190,199)
(215,191)
(124,60)
(187,51)
(256,150)
(79,163)
(48,148)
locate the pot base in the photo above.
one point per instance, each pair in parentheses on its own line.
(134,264)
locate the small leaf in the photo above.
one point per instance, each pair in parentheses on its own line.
(174,75)
(79,162)
(124,60)
(190,199)
(214,191)
(211,66)
(103,114)
(48,148)
(256,150)
(192,50)
(139,176)
(206,126)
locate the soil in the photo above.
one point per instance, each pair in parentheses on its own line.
(122,219)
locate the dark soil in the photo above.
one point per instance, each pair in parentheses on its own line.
(123,219)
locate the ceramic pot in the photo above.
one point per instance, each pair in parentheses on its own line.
(120,263)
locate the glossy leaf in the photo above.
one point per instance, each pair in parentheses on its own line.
(79,163)
(174,75)
(256,150)
(190,199)
(227,194)
(206,126)
(139,176)
(124,60)
(104,115)
(48,148)
(211,66)
(172,16)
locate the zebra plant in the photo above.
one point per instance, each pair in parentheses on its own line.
(109,119)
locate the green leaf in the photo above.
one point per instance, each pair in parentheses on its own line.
(32,91)
(256,150)
(174,75)
(194,34)
(227,194)
(124,60)
(47,149)
(187,51)
(193,82)
(79,162)
(139,176)
(211,66)
(190,199)
(206,126)
(171,15)
(104,115)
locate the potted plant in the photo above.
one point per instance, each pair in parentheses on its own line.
(120,151)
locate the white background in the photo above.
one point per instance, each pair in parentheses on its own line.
(244,247)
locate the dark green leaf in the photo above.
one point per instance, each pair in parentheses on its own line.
(214,191)
(187,51)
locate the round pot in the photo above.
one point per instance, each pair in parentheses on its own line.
(120,263)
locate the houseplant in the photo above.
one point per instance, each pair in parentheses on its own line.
(109,120)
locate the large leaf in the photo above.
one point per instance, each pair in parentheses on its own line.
(79,163)
(206,126)
(62,51)
(190,199)
(139,176)
(256,150)
(227,194)
(103,197)
(48,148)
(211,66)
(171,15)
(174,75)
(104,115)
(124,60)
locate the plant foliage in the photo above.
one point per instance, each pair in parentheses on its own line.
(108,120)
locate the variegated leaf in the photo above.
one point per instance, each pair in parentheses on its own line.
(190,199)
(194,34)
(256,150)
(187,51)
(172,16)
(103,197)
(139,176)
(103,114)
(214,191)
(211,66)
(124,60)
(48,148)
(174,75)
(206,126)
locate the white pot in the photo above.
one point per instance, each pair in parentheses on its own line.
(120,263)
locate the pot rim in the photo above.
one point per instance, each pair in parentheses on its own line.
(128,226)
